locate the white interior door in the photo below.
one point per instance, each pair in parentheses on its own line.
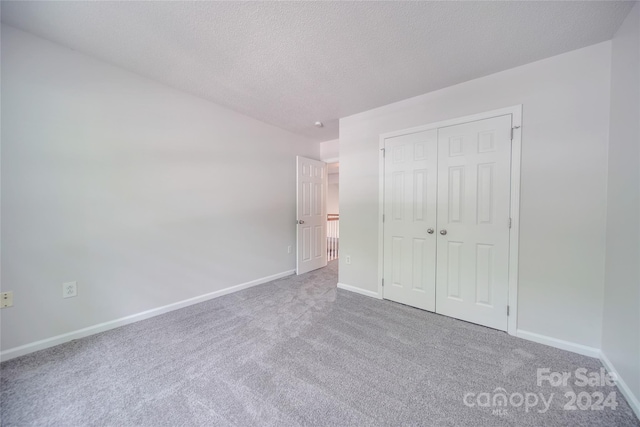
(410,168)
(474,161)
(312,215)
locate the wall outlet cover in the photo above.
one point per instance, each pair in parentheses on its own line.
(69,289)
(6,299)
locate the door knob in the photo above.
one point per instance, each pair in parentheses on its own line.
(443,232)
(300,222)
(430,230)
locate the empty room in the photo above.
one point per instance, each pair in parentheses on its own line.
(320,213)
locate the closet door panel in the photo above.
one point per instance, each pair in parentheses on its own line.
(410,187)
(473,221)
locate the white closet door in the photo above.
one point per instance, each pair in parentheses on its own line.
(410,170)
(473,221)
(312,215)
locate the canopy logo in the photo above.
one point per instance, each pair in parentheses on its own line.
(499,400)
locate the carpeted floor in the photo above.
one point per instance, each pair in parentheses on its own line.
(293,352)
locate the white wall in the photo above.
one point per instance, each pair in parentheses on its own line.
(142,194)
(564,134)
(333,196)
(621,321)
(330,150)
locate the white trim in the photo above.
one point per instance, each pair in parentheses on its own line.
(359,291)
(381,154)
(516,109)
(514,236)
(633,400)
(297,216)
(331,160)
(558,343)
(112,324)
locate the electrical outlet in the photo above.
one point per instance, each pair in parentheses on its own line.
(69,289)
(289,249)
(6,299)
(347,259)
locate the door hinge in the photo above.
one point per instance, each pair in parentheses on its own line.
(510,222)
(383,152)
(512,129)
(383,282)
(507,310)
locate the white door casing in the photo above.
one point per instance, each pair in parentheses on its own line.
(410,219)
(311,228)
(473,210)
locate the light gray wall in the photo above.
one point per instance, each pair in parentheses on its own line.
(333,194)
(562,235)
(330,150)
(142,194)
(621,321)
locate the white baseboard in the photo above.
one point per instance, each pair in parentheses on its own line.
(632,399)
(359,291)
(112,324)
(557,343)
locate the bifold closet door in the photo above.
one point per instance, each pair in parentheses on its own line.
(474,162)
(410,185)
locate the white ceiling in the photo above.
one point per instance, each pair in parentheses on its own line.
(293,63)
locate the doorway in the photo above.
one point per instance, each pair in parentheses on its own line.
(311,207)
(333,211)
(318,218)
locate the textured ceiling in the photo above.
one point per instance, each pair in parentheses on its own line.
(293,63)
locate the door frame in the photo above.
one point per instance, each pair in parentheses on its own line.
(514,235)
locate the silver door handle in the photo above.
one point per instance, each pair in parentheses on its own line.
(443,232)
(300,221)
(430,230)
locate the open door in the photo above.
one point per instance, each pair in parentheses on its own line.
(311,215)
